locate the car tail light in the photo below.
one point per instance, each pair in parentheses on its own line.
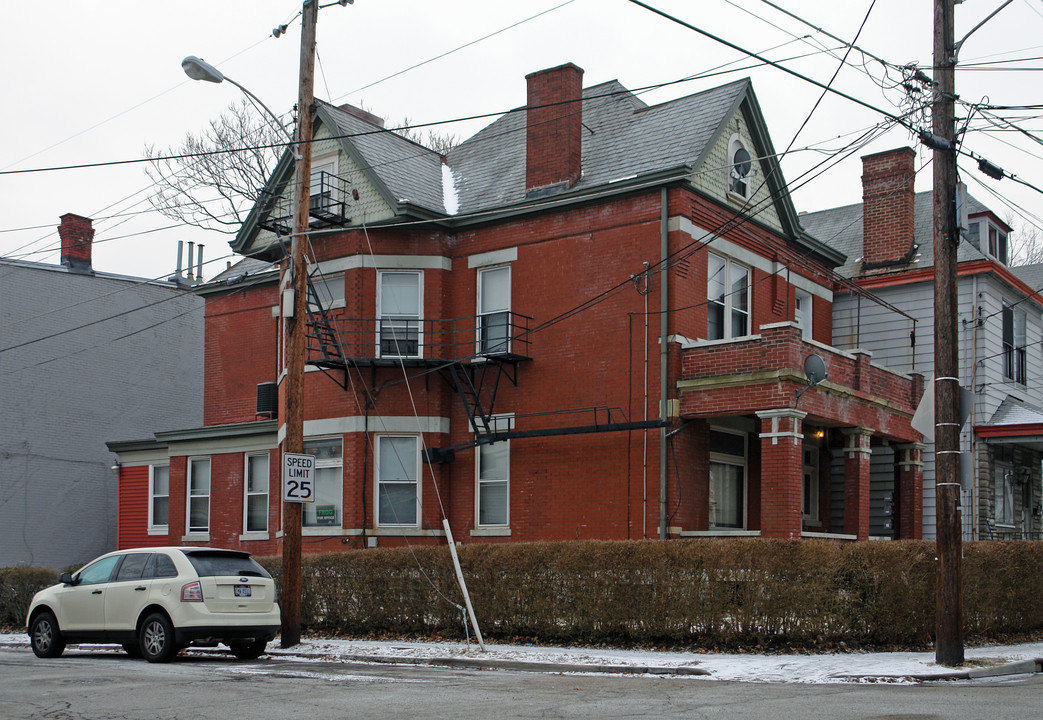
(193,592)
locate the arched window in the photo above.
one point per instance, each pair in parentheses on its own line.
(740,170)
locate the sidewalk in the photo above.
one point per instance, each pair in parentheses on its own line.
(896,667)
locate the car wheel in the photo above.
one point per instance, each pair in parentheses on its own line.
(250,650)
(132,649)
(156,639)
(45,636)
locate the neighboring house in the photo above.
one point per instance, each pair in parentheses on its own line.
(589,320)
(889,245)
(84,356)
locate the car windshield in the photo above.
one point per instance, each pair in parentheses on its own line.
(210,564)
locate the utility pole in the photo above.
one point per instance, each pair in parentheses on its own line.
(294,440)
(949,533)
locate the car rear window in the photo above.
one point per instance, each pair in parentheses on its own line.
(210,564)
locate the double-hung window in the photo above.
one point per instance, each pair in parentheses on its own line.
(727,480)
(1003,486)
(727,299)
(1013,343)
(398,472)
(494,310)
(400,303)
(256,504)
(493,471)
(158,498)
(328,484)
(199,495)
(740,171)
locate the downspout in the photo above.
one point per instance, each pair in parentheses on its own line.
(663,357)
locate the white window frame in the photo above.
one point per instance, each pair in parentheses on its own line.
(317,166)
(247,494)
(732,461)
(736,143)
(728,302)
(190,494)
(997,243)
(500,423)
(1015,354)
(803,315)
(153,527)
(378,483)
(418,318)
(480,343)
(322,464)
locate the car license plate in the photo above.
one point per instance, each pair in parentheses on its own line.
(242,591)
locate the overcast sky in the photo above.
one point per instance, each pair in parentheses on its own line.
(97,81)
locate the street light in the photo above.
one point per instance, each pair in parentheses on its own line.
(294,438)
(199,69)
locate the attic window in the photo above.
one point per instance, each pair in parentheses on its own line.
(740,170)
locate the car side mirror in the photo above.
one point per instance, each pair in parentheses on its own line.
(66,579)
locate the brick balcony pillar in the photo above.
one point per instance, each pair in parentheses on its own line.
(782,447)
(856,482)
(910,491)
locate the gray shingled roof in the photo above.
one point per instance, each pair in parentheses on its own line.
(841,228)
(622,137)
(408,171)
(1016,412)
(1031,275)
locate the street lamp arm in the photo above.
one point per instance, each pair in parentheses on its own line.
(272,115)
(957,46)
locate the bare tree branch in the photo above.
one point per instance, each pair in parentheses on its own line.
(216,190)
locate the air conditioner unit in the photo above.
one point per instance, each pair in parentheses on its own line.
(268,399)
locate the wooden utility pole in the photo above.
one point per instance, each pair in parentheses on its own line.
(949,533)
(290,601)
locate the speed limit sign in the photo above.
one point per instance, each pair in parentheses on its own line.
(298,478)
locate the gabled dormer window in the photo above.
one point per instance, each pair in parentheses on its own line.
(988,238)
(740,170)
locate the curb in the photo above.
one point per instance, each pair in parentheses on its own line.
(515,665)
(1016,667)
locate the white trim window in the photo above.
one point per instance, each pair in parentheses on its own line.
(327,510)
(320,190)
(158,498)
(493,473)
(727,299)
(198,515)
(727,491)
(329,290)
(494,310)
(255,504)
(1014,341)
(802,313)
(740,168)
(399,306)
(397,480)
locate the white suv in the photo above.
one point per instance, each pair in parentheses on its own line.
(156,601)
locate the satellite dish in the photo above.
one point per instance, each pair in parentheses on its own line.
(815,369)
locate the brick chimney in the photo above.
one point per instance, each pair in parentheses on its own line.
(888,207)
(553,135)
(77,234)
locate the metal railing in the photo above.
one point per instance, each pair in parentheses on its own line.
(497,335)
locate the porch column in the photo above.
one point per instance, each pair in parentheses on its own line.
(910,491)
(856,482)
(782,446)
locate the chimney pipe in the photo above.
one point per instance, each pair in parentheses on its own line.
(554,127)
(191,247)
(77,235)
(199,262)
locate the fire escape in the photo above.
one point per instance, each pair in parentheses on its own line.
(474,355)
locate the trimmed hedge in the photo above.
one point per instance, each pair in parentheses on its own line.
(17,587)
(704,592)
(695,593)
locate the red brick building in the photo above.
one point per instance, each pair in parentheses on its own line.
(590,320)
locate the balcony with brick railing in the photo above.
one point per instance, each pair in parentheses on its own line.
(766,371)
